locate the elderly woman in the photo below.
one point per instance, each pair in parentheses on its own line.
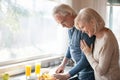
(104,58)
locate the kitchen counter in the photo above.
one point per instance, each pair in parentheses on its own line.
(51,70)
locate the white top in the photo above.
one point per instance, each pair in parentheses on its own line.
(105,57)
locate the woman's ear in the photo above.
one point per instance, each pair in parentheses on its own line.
(92,21)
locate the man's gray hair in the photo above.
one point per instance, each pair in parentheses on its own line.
(64,9)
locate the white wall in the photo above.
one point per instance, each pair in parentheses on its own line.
(98,5)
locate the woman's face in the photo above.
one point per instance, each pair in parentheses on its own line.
(87,28)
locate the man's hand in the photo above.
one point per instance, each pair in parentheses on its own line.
(60,69)
(61,76)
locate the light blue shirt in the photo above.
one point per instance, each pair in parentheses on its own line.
(82,66)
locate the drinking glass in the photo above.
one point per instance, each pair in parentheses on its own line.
(28,71)
(37,68)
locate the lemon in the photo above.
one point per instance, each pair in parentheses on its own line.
(5,76)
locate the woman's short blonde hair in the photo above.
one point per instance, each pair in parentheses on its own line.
(86,15)
(64,9)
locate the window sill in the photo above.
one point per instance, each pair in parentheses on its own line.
(18,68)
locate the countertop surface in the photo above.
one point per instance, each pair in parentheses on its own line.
(51,70)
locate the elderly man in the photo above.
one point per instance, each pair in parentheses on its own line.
(65,15)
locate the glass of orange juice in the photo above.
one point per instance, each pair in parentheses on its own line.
(28,71)
(37,68)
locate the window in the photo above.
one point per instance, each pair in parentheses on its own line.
(28,31)
(113,17)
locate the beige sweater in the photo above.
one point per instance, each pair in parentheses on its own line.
(105,58)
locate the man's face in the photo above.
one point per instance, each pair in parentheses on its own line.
(66,21)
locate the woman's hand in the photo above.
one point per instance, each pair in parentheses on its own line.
(60,69)
(85,48)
